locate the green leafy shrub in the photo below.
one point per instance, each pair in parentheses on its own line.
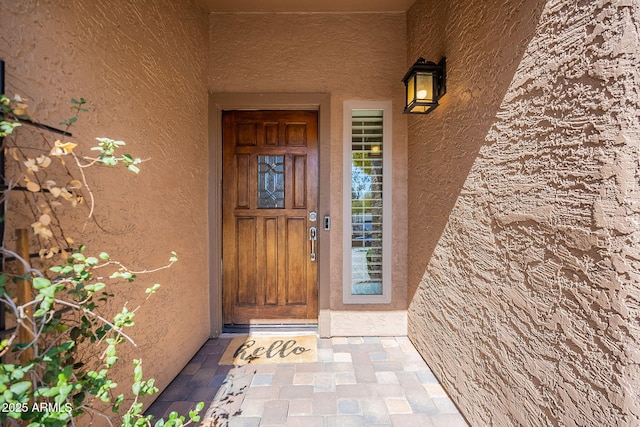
(55,377)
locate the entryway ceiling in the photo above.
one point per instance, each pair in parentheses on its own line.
(248,6)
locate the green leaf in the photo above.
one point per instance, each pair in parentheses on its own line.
(74,333)
(137,371)
(117,402)
(92,261)
(40,312)
(69,121)
(47,392)
(194,414)
(20,388)
(152,289)
(41,283)
(104,256)
(109,160)
(133,168)
(111,360)
(95,287)
(6,128)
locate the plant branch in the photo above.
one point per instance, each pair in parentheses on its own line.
(97,316)
(84,181)
(25,263)
(125,268)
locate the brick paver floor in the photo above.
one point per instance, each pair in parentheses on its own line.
(356,381)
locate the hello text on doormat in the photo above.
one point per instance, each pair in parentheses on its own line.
(271,349)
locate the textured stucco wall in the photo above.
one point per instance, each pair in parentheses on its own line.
(142,66)
(527,299)
(352,57)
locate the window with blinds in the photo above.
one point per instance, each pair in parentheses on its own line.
(367,212)
(367,152)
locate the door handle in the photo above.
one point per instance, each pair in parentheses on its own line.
(313,236)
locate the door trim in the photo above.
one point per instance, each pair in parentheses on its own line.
(218,102)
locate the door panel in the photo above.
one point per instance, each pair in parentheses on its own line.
(269,189)
(242,181)
(299,182)
(246,254)
(297,256)
(268,239)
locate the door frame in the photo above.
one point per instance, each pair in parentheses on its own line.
(219,102)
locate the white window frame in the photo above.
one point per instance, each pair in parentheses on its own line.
(387,185)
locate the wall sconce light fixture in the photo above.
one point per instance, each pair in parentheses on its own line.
(425,83)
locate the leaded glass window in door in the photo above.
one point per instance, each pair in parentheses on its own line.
(271,182)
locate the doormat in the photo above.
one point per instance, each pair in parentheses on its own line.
(264,349)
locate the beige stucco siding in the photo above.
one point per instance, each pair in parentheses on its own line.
(141,65)
(523,280)
(350,57)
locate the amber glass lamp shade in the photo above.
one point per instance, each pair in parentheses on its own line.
(425,84)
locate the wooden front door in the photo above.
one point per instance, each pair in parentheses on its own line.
(270,180)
